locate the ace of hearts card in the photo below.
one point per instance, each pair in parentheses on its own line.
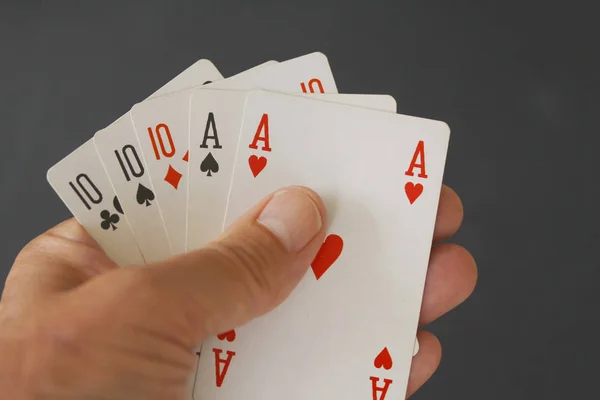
(347,331)
(215,121)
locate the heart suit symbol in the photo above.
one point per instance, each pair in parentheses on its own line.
(383,359)
(229,336)
(257,164)
(327,255)
(413,191)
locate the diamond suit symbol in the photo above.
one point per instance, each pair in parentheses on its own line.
(173,177)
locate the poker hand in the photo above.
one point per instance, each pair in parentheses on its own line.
(75,326)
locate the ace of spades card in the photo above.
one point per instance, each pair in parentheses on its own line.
(347,331)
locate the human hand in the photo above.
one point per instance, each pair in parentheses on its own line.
(74,325)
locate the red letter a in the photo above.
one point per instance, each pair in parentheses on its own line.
(263,125)
(419,152)
(377,389)
(220,374)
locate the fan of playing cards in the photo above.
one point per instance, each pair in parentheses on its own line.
(172,173)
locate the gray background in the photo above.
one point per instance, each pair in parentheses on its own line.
(516,80)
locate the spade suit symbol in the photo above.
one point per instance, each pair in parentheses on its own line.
(144,195)
(209,165)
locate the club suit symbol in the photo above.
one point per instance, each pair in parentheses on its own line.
(109,220)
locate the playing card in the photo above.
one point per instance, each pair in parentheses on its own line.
(81,182)
(202,72)
(118,148)
(265,64)
(347,331)
(162,128)
(306,74)
(215,122)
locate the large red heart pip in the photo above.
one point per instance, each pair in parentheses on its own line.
(257,164)
(229,335)
(413,191)
(328,253)
(383,359)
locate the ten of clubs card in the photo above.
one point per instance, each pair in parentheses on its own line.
(347,331)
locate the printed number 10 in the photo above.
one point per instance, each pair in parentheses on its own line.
(160,131)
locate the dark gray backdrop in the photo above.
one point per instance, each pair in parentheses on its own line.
(516,80)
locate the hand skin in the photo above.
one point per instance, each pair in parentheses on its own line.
(74,326)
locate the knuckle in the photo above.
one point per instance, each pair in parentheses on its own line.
(87,259)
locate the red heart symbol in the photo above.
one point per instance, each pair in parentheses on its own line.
(383,359)
(413,191)
(257,164)
(328,253)
(229,335)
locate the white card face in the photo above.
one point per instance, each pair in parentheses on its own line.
(265,64)
(215,122)
(118,148)
(81,182)
(162,128)
(207,189)
(306,74)
(371,101)
(348,329)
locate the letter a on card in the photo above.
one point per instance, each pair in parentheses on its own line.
(414,189)
(258,163)
(222,365)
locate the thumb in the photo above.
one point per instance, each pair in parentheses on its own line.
(247,272)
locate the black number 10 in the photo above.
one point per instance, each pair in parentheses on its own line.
(137,170)
(92,195)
